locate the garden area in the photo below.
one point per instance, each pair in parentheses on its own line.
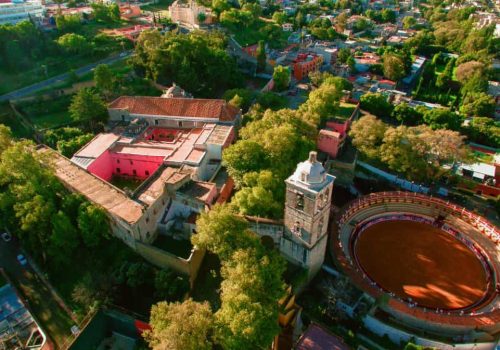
(44,114)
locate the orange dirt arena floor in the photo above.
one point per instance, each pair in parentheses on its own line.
(418,261)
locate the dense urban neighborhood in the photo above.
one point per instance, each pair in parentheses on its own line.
(249,174)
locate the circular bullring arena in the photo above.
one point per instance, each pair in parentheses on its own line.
(436,263)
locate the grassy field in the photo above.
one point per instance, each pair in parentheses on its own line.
(51,120)
(345,111)
(251,35)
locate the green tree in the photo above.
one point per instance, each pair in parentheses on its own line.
(478,105)
(406,115)
(257,196)
(393,65)
(367,135)
(88,108)
(376,103)
(322,104)
(442,118)
(169,286)
(280,17)
(93,224)
(68,23)
(261,56)
(246,96)
(103,78)
(409,22)
(63,240)
(180,326)
(252,286)
(485,131)
(221,232)
(243,157)
(281,77)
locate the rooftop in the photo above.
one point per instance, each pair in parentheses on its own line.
(176,107)
(93,188)
(199,190)
(317,338)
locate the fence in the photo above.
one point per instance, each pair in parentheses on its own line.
(405,184)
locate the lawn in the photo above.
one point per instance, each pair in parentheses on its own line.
(251,35)
(50,120)
(181,248)
(46,114)
(345,110)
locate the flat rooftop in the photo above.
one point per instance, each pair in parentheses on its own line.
(93,188)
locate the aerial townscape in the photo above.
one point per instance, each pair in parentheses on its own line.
(249,174)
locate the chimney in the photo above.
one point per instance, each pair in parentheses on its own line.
(313,155)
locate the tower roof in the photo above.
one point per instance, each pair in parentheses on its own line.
(310,174)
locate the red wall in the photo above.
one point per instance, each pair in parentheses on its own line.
(329,144)
(106,165)
(127,163)
(101,167)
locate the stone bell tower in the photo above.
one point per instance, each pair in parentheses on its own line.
(307,210)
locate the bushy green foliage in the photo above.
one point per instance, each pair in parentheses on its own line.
(198,62)
(281,77)
(418,153)
(376,103)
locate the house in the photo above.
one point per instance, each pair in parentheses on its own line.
(306,63)
(166,151)
(12,12)
(364,61)
(331,139)
(416,68)
(190,14)
(326,49)
(287,27)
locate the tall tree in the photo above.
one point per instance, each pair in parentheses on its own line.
(281,77)
(180,326)
(261,56)
(88,107)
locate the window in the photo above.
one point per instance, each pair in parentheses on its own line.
(118,170)
(179,123)
(157,122)
(299,201)
(118,161)
(304,256)
(134,172)
(131,162)
(123,117)
(146,172)
(147,219)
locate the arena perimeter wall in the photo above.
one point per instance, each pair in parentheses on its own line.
(398,336)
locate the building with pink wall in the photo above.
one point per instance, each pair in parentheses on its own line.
(331,139)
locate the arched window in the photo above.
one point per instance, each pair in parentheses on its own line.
(299,201)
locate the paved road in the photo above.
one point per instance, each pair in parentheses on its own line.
(28,90)
(52,318)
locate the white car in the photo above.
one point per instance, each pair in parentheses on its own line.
(22,260)
(6,237)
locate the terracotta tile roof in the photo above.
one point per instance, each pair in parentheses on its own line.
(176,107)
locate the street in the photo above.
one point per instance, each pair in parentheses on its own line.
(62,77)
(54,321)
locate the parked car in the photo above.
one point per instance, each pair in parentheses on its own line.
(22,260)
(6,237)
